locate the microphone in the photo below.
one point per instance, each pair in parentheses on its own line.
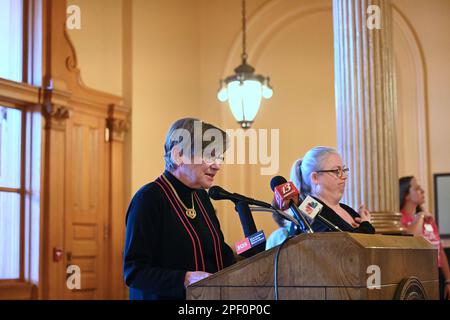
(287,191)
(246,217)
(218,193)
(254,242)
(312,209)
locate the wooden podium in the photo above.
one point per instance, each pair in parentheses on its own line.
(330,266)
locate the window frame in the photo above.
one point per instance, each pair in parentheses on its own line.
(20,191)
(26,97)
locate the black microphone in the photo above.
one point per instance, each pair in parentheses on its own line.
(254,242)
(246,217)
(218,193)
(284,191)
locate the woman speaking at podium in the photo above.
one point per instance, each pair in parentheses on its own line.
(173,237)
(322,175)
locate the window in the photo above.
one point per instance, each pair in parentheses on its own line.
(12,140)
(11,35)
(10,192)
(20,141)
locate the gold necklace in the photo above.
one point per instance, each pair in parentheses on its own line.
(190,212)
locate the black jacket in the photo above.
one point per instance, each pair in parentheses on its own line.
(159,244)
(333,217)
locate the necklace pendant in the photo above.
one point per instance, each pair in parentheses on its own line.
(191,213)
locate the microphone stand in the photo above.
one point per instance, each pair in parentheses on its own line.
(281,213)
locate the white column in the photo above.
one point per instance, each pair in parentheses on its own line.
(366,107)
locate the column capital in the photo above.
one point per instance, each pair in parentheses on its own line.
(55,108)
(118,122)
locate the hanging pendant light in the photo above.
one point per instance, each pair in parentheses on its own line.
(244,90)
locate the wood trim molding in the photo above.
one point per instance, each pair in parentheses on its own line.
(118,128)
(15,290)
(55,117)
(16,190)
(18,93)
(118,125)
(71,59)
(55,108)
(118,122)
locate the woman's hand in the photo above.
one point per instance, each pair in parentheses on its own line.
(192,277)
(416,227)
(427,217)
(365,215)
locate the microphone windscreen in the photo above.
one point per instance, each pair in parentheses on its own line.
(276,181)
(217,193)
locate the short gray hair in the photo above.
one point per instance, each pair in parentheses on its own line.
(183,134)
(312,161)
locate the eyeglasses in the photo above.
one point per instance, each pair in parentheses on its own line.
(340,172)
(215,159)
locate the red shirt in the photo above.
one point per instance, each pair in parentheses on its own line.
(430,231)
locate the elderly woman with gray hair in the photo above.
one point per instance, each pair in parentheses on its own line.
(173,237)
(322,175)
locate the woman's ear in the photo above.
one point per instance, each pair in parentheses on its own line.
(314,177)
(176,156)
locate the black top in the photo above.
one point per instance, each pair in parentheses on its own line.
(333,217)
(162,243)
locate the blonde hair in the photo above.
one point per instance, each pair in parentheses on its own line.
(302,168)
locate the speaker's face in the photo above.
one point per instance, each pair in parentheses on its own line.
(200,174)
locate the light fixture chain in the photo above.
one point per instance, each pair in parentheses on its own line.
(244,90)
(244,30)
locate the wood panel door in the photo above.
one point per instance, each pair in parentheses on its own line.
(86,205)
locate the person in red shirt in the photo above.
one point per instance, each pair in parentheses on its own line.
(419,222)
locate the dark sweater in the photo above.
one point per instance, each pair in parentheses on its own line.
(333,217)
(161,244)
